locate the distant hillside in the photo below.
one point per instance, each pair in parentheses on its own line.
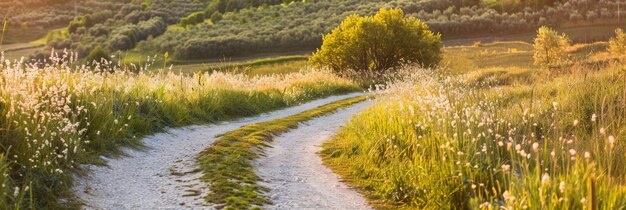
(209,29)
(114,25)
(300,25)
(51,13)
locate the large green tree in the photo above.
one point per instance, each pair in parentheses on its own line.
(379,43)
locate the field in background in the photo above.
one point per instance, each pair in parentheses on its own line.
(457,50)
(578,34)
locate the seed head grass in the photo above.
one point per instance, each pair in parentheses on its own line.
(490,140)
(56,115)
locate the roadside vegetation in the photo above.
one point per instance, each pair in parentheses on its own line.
(507,134)
(59,115)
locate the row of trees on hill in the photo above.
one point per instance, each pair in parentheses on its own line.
(299,25)
(124,27)
(51,14)
(239,27)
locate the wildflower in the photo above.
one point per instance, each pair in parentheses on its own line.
(536,147)
(508,197)
(562,187)
(572,152)
(575,123)
(506,168)
(611,140)
(583,200)
(523,153)
(587,155)
(545,179)
(593,117)
(602,131)
(473,186)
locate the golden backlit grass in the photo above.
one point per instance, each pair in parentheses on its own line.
(56,116)
(491,139)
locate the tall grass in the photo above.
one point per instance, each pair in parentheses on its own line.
(447,142)
(56,115)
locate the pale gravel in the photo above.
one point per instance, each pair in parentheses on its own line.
(295,173)
(162,176)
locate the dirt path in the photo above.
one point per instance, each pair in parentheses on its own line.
(295,173)
(163,177)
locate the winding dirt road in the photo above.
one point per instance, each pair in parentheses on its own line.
(295,173)
(164,176)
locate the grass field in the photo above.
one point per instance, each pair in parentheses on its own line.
(64,116)
(578,34)
(23,35)
(489,130)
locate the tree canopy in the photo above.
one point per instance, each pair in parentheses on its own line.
(376,44)
(550,47)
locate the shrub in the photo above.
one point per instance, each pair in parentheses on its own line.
(550,47)
(127,36)
(97,55)
(216,17)
(617,44)
(193,19)
(374,44)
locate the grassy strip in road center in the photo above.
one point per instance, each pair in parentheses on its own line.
(227,163)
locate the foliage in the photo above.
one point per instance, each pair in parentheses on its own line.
(375,44)
(89,20)
(550,47)
(123,26)
(128,36)
(223,6)
(52,13)
(617,44)
(299,25)
(216,17)
(56,116)
(98,55)
(250,27)
(192,19)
